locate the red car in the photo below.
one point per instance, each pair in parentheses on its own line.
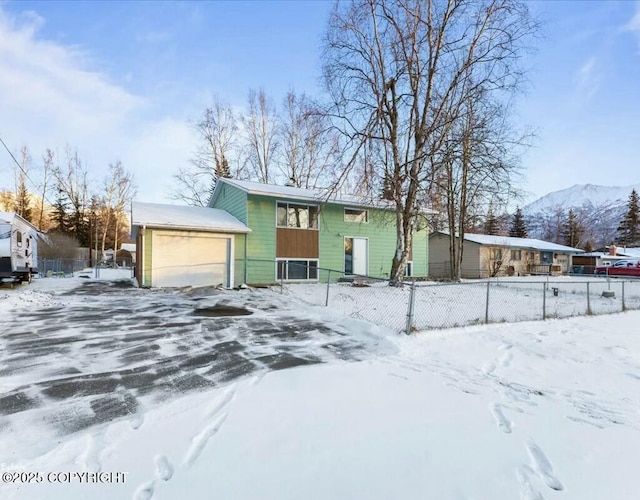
(621,268)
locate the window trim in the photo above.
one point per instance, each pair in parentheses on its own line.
(308,205)
(287,259)
(519,253)
(366,216)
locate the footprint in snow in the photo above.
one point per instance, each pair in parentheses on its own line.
(258,378)
(505,359)
(144,491)
(136,420)
(527,490)
(199,441)
(164,469)
(219,405)
(488,368)
(543,467)
(503,423)
(90,458)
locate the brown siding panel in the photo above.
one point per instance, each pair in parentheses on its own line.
(301,243)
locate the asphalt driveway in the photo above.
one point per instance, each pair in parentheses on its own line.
(106,349)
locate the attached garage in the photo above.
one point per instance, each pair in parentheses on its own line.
(184,246)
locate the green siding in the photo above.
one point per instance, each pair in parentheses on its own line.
(146,243)
(380,231)
(233,200)
(261,241)
(239,259)
(381,234)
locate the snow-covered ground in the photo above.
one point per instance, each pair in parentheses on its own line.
(504,411)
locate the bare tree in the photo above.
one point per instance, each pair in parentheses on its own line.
(480,166)
(118,190)
(72,187)
(309,145)
(261,128)
(47,168)
(398,72)
(217,131)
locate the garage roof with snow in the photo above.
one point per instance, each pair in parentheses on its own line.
(185,217)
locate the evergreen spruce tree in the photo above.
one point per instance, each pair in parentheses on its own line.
(22,204)
(572,230)
(518,227)
(491,223)
(629,228)
(60,214)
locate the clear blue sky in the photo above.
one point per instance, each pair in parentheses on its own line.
(120,80)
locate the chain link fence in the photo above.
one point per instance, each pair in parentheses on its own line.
(61,267)
(419,305)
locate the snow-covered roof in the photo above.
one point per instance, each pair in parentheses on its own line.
(9,217)
(296,193)
(185,217)
(628,252)
(510,241)
(129,247)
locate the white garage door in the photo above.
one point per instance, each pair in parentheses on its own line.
(185,258)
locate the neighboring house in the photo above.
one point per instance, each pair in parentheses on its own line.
(131,248)
(184,246)
(295,231)
(485,255)
(586,263)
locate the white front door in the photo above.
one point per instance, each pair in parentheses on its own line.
(356,256)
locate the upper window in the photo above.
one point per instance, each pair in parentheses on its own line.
(356,215)
(298,216)
(18,237)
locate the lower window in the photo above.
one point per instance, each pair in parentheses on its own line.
(298,270)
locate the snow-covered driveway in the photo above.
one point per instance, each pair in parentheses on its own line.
(105,349)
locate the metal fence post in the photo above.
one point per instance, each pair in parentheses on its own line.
(624,307)
(326,300)
(486,309)
(544,301)
(588,300)
(412,292)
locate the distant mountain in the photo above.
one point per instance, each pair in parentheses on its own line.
(582,195)
(599,210)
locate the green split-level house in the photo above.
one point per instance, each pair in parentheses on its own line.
(262,233)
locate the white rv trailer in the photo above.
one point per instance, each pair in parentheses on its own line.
(18,248)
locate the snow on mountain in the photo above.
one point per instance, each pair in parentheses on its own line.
(582,195)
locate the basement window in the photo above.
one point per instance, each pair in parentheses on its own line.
(296,270)
(356,215)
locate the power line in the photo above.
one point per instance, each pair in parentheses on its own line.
(44,195)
